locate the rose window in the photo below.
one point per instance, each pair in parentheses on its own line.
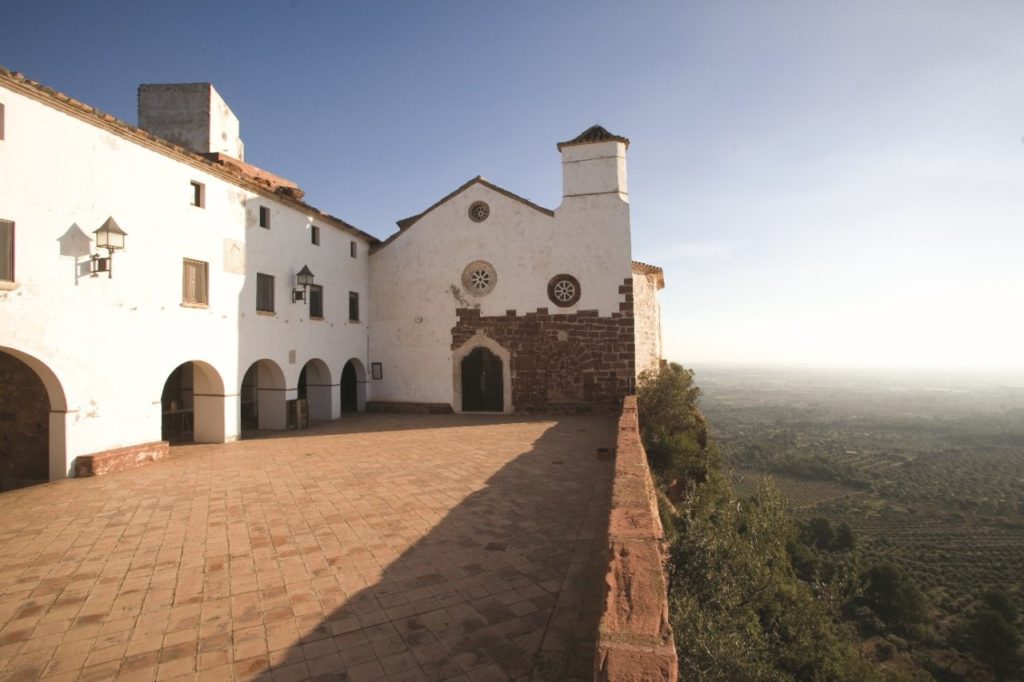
(479,278)
(564,290)
(479,211)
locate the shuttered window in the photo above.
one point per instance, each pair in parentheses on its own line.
(6,251)
(264,292)
(195,281)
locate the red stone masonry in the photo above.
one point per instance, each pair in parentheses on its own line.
(634,640)
(566,363)
(109,461)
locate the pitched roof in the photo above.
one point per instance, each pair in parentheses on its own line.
(647,269)
(405,223)
(236,172)
(594,133)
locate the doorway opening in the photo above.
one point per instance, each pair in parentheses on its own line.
(483,388)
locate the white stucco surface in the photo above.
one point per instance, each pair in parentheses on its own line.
(416,280)
(112,342)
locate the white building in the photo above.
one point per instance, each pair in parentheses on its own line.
(198,328)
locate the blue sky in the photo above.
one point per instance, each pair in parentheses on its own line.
(825,183)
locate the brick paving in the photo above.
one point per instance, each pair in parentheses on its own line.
(378,547)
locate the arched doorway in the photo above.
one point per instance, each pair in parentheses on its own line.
(263,397)
(24,426)
(33,414)
(353,387)
(315,388)
(192,405)
(483,387)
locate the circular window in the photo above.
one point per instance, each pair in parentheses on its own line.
(564,290)
(479,278)
(479,211)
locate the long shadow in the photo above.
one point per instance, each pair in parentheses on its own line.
(509,584)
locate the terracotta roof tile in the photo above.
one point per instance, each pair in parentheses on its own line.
(594,133)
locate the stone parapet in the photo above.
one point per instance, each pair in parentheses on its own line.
(634,638)
(119,459)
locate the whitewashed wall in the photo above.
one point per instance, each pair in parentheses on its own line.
(416,279)
(111,343)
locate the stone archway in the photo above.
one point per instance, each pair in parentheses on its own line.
(568,373)
(263,397)
(192,405)
(33,418)
(353,386)
(500,365)
(482,381)
(315,387)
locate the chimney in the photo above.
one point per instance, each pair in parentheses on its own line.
(191,115)
(594,163)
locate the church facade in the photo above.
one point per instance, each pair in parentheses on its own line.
(154,287)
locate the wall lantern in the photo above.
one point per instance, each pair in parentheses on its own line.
(304,279)
(109,236)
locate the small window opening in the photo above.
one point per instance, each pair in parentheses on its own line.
(316,301)
(314,234)
(195,282)
(198,194)
(353,306)
(1,120)
(264,293)
(265,217)
(352,249)
(6,251)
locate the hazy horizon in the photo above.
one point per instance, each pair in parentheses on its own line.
(825,184)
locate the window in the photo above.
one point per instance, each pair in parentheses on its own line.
(195,282)
(1,120)
(564,290)
(6,251)
(353,306)
(479,211)
(316,301)
(352,249)
(265,217)
(198,194)
(264,293)
(479,278)
(314,234)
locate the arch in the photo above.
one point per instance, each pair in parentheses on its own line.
(315,387)
(481,340)
(263,396)
(353,386)
(568,372)
(192,404)
(45,451)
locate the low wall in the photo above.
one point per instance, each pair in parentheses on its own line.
(109,461)
(634,640)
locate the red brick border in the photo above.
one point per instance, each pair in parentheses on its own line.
(119,459)
(634,640)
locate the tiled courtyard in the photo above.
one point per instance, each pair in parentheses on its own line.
(378,547)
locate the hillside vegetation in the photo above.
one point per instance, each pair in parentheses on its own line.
(834,568)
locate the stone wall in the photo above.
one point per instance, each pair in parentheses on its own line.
(562,362)
(24,426)
(647,315)
(634,639)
